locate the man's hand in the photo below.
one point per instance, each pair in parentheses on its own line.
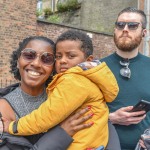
(123,116)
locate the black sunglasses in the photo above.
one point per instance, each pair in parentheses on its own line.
(30,55)
(125,71)
(131,25)
(1,127)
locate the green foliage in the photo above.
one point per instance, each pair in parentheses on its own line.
(68,5)
(54,18)
(47,12)
(39,12)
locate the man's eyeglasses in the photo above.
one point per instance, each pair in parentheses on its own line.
(125,71)
(30,55)
(131,25)
(1,127)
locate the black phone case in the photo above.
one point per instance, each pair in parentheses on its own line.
(142,105)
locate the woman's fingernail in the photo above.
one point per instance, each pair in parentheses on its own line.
(89,107)
(91,123)
(92,114)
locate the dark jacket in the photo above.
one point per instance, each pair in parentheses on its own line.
(10,142)
(55,139)
(8,89)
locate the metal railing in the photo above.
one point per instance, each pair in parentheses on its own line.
(5,83)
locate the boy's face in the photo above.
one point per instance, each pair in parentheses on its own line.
(68,54)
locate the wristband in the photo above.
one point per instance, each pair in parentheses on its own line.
(15,123)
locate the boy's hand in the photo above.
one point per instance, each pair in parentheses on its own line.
(89,64)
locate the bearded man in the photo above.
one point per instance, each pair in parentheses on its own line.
(132,71)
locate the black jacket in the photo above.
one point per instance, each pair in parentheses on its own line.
(10,142)
(8,89)
(55,139)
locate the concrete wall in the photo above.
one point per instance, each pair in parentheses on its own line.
(100,15)
(95,15)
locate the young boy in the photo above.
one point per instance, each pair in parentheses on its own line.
(72,89)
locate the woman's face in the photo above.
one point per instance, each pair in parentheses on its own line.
(35,73)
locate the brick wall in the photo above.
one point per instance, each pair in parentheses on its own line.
(17,20)
(103,44)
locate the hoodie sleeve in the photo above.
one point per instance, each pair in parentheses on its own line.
(103,77)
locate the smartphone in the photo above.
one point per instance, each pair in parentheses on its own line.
(142,105)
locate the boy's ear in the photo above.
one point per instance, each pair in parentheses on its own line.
(90,58)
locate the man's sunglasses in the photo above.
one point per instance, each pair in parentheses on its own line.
(131,25)
(30,55)
(125,71)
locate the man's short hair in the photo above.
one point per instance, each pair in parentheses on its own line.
(137,11)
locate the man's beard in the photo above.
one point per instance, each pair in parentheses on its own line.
(127,46)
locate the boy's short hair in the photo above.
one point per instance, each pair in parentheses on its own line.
(83,38)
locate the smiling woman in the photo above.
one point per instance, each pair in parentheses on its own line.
(35,66)
(32,65)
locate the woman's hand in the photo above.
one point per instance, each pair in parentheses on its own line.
(6,123)
(7,114)
(75,122)
(1,126)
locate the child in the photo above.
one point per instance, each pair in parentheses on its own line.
(73,89)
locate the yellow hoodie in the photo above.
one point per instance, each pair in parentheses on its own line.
(69,91)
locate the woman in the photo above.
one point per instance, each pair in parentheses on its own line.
(31,92)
